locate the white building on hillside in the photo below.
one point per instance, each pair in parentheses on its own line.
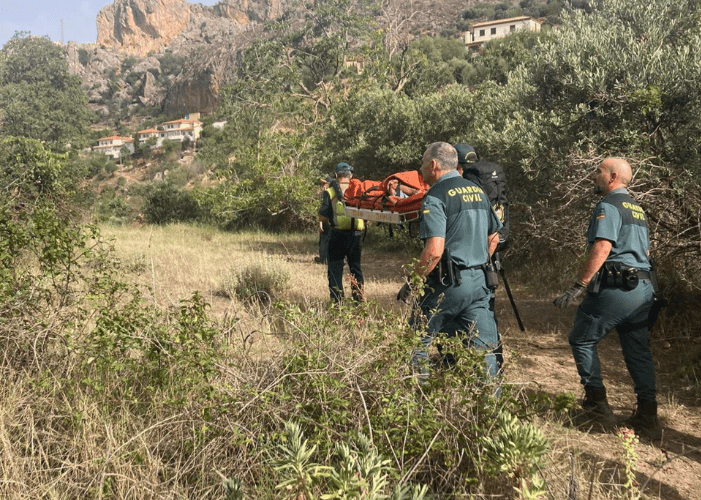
(176,130)
(145,135)
(188,128)
(112,146)
(489,30)
(180,130)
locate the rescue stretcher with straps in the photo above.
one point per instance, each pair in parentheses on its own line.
(373,201)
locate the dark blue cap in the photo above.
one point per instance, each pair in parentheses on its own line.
(343,167)
(466,153)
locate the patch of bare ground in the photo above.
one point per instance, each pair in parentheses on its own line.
(540,361)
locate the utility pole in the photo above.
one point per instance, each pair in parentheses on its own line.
(62,32)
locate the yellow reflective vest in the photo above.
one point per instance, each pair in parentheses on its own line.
(340,219)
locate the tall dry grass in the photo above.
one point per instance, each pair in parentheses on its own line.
(174,260)
(162,399)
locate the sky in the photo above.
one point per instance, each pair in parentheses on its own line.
(43,17)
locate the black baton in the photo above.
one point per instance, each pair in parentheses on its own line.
(497,263)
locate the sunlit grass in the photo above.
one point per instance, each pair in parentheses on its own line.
(175,260)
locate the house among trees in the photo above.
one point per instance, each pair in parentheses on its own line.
(185,129)
(489,30)
(112,146)
(145,135)
(188,128)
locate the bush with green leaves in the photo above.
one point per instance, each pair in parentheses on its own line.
(261,281)
(269,181)
(165,203)
(513,447)
(113,208)
(358,471)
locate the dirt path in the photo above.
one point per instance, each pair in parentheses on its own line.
(540,359)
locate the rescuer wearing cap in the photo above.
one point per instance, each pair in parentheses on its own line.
(345,239)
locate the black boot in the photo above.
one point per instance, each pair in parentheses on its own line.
(596,406)
(645,421)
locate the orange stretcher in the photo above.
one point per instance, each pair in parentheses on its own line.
(379,201)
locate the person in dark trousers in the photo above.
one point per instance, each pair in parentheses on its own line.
(618,293)
(456,222)
(345,239)
(324,228)
(473,169)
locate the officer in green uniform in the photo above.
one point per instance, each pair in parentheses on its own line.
(456,221)
(345,240)
(619,294)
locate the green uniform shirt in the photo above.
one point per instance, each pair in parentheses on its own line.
(619,219)
(459,211)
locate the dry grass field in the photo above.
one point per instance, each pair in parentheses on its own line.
(172,261)
(184,388)
(175,260)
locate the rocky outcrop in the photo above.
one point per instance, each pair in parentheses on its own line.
(149,90)
(198,86)
(245,11)
(138,27)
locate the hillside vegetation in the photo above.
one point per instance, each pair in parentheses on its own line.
(203,361)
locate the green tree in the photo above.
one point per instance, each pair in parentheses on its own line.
(382,131)
(428,64)
(620,81)
(39,98)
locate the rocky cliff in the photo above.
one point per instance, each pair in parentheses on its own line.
(166,55)
(140,27)
(172,57)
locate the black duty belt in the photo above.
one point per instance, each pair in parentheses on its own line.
(618,275)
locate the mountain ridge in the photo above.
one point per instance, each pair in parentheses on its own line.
(124,71)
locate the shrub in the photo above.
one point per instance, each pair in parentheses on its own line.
(514,448)
(261,281)
(83,57)
(113,209)
(166,203)
(358,471)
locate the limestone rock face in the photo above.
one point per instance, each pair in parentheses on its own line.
(138,27)
(245,11)
(149,89)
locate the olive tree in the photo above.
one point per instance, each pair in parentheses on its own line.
(619,81)
(39,98)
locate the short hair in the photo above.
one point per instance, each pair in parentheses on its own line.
(621,167)
(445,155)
(344,174)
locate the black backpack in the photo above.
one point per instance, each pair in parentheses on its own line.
(490,177)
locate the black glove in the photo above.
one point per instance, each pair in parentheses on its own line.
(570,295)
(404,293)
